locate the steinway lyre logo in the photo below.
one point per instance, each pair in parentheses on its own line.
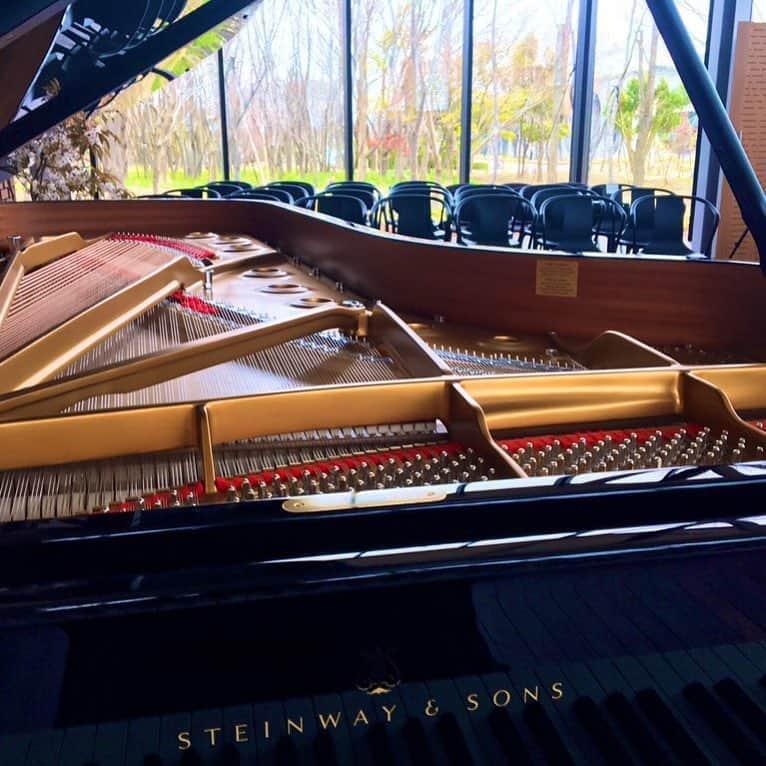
(378,673)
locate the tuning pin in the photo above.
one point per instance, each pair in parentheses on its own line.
(231,494)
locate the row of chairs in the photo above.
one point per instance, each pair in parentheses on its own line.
(569,217)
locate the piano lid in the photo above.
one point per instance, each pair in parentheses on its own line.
(65,58)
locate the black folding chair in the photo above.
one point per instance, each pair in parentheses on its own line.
(413,215)
(225,188)
(610,223)
(251,194)
(668,219)
(342,206)
(296,190)
(566,223)
(305,185)
(345,187)
(490,219)
(282,194)
(198,192)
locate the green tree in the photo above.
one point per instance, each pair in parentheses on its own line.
(640,121)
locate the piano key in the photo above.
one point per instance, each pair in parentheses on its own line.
(143,742)
(490,700)
(207,734)
(507,735)
(418,748)
(171,744)
(548,737)
(601,732)
(456,736)
(335,745)
(380,745)
(77,747)
(663,718)
(359,713)
(14,749)
(110,744)
(474,700)
(286,753)
(267,728)
(725,726)
(636,730)
(743,705)
(301,726)
(239,736)
(671,672)
(45,747)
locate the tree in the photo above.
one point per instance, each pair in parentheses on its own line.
(644,115)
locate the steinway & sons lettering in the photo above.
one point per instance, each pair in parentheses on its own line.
(241,733)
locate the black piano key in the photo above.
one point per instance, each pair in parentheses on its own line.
(301,725)
(453,741)
(635,730)
(208,735)
(268,728)
(333,740)
(417,743)
(380,745)
(547,736)
(325,752)
(143,745)
(111,743)
(170,746)
(239,736)
(670,673)
(679,739)
(45,747)
(743,705)
(359,713)
(475,701)
(507,735)
(77,747)
(286,752)
(601,732)
(459,732)
(537,684)
(14,749)
(735,737)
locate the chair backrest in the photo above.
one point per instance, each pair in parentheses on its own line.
(611,220)
(424,191)
(305,185)
(224,188)
(283,194)
(531,189)
(515,186)
(471,190)
(412,215)
(404,184)
(566,222)
(492,216)
(548,192)
(198,192)
(250,194)
(337,205)
(354,185)
(296,190)
(370,191)
(669,216)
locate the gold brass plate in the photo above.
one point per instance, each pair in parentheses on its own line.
(557,277)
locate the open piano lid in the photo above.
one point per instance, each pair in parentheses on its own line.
(63,58)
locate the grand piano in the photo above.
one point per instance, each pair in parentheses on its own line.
(278,489)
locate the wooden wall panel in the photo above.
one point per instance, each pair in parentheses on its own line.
(670,300)
(747,109)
